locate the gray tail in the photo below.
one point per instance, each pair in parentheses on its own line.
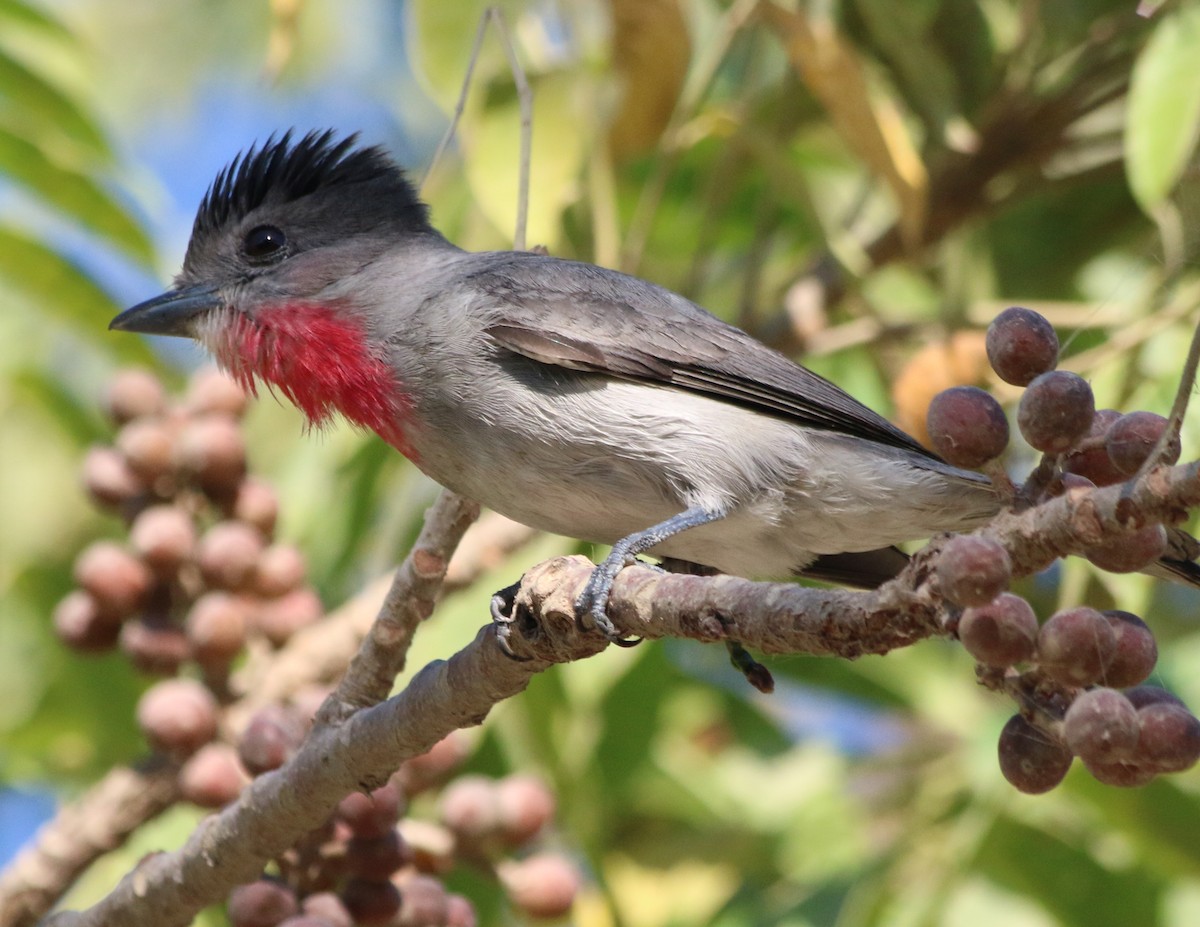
(866,569)
(1179,565)
(872,568)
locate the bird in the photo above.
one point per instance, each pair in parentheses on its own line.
(569,397)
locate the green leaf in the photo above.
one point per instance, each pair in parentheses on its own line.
(1164,107)
(79,418)
(492,145)
(1160,818)
(66,293)
(23,14)
(75,194)
(440,38)
(37,108)
(1066,879)
(899,32)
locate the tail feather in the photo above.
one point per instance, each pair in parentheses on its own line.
(866,569)
(1179,565)
(870,569)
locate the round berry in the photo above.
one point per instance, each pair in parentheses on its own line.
(967,426)
(973,570)
(1056,411)
(257,504)
(377,858)
(212,777)
(328,907)
(1001,633)
(1075,646)
(270,739)
(134,394)
(148,447)
(164,536)
(216,628)
(524,806)
(212,392)
(1137,651)
(80,624)
(373,815)
(109,480)
(371,904)
(279,570)
(264,903)
(544,885)
(1030,759)
(470,807)
(460,912)
(1132,437)
(1121,775)
(118,581)
(178,716)
(1130,551)
(1021,345)
(211,452)
(434,766)
(1090,457)
(1101,726)
(1169,737)
(425,902)
(228,555)
(279,619)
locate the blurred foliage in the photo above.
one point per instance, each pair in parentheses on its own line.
(850,180)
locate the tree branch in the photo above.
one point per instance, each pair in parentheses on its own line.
(97,823)
(127,798)
(361,749)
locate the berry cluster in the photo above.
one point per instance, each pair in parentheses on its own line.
(198,575)
(199,581)
(368,867)
(1067,673)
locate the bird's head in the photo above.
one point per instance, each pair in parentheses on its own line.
(268,279)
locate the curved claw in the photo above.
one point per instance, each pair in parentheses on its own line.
(501,606)
(502,609)
(594,600)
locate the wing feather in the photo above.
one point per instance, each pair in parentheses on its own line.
(588,318)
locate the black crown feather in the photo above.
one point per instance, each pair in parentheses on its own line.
(283,172)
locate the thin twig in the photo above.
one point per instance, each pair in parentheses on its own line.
(495,16)
(1187,382)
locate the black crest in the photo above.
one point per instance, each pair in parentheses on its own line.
(281,172)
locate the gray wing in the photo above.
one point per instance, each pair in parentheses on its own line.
(584,317)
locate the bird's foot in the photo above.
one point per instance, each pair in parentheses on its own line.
(593,602)
(503,609)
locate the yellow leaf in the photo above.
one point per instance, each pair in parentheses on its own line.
(650,54)
(870,125)
(561,135)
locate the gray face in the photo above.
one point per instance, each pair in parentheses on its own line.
(288,219)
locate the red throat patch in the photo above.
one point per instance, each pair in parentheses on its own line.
(320,360)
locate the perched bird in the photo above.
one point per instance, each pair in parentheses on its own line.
(569,397)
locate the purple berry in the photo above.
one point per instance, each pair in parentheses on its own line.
(1056,411)
(1021,345)
(967,426)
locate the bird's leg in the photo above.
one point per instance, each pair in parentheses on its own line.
(594,600)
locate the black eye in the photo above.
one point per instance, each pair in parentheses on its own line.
(263,242)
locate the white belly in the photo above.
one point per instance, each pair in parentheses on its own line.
(604,462)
